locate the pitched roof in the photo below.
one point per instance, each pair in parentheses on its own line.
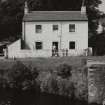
(55,16)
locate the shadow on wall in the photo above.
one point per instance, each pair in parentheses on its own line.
(24,45)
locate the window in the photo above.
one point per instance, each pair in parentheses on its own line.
(38,45)
(72,45)
(38,28)
(55,27)
(71,27)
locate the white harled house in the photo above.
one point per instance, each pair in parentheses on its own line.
(51,33)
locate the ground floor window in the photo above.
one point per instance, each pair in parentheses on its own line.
(38,45)
(72,45)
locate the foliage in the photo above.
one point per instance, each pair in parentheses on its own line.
(79,78)
(66,87)
(54,84)
(11,19)
(66,81)
(93,15)
(93,21)
(53,5)
(98,44)
(64,70)
(73,85)
(50,85)
(22,77)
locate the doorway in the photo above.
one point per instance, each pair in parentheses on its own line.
(55,44)
(55,49)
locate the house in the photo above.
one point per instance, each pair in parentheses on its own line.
(52,33)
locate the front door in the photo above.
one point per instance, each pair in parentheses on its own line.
(55,44)
(54,48)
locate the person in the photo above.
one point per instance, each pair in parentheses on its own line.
(66,52)
(63,52)
(53,50)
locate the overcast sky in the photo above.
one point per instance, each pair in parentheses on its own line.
(102,6)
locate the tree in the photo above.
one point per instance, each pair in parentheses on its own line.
(11,18)
(54,5)
(93,15)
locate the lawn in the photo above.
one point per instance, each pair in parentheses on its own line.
(43,63)
(47,63)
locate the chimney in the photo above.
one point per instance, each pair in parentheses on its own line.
(83,10)
(26,8)
(83,7)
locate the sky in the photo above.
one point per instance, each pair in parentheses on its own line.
(102,6)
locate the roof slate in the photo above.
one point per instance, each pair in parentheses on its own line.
(55,16)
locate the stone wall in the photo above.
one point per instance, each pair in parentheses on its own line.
(96,81)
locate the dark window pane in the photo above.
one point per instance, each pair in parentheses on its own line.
(38,45)
(71,27)
(55,27)
(38,28)
(72,45)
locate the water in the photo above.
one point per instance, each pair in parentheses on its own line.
(31,97)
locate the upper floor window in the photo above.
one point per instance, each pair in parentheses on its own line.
(38,28)
(72,45)
(71,27)
(55,27)
(38,45)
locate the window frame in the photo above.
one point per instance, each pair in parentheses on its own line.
(55,27)
(38,28)
(72,47)
(72,27)
(40,46)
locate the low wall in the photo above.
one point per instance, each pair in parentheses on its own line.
(32,53)
(39,53)
(96,81)
(14,48)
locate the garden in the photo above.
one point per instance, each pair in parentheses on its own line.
(63,84)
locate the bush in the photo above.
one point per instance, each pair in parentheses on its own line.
(66,87)
(48,82)
(51,83)
(79,79)
(22,77)
(64,70)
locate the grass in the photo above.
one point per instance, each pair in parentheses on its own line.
(47,63)
(51,63)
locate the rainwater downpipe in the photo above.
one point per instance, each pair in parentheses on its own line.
(61,37)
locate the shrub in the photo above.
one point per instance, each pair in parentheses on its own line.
(64,70)
(52,83)
(22,77)
(48,82)
(79,79)
(66,87)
